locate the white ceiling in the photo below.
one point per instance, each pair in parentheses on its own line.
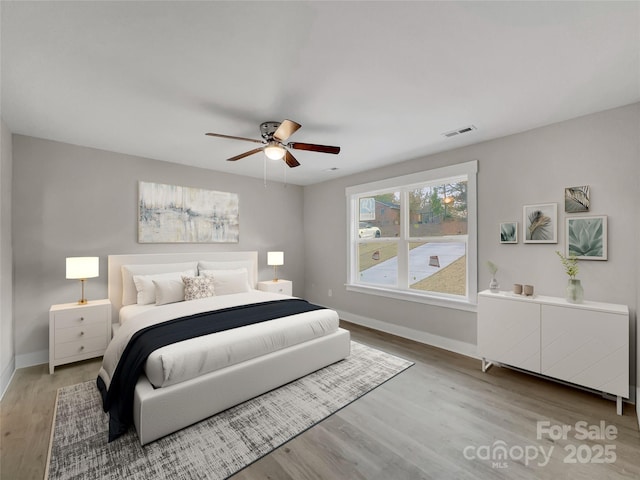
(383,80)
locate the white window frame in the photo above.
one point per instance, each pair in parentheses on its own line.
(403,184)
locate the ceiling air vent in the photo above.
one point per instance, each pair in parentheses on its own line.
(459,131)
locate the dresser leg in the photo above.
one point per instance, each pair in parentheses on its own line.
(486,365)
(619,405)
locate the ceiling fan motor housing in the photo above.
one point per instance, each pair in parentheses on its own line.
(267,129)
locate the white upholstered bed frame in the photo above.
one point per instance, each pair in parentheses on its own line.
(160,411)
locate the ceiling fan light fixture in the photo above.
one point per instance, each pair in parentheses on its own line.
(274,151)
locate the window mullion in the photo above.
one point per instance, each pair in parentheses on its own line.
(403,244)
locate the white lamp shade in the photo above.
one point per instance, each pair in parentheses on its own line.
(274,152)
(275,258)
(83,267)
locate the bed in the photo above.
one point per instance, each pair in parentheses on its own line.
(193,379)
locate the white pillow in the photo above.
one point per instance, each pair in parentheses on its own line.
(229,265)
(226,282)
(198,287)
(169,290)
(146,288)
(129,291)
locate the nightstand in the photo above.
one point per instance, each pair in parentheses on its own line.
(78,332)
(281,286)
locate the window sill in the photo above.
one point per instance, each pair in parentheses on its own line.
(413,297)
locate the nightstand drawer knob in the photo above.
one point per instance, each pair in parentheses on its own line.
(82,347)
(81,319)
(81,333)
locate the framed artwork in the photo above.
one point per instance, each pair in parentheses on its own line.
(174,214)
(540,223)
(509,232)
(586,237)
(577,199)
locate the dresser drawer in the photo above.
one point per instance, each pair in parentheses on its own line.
(79,347)
(79,317)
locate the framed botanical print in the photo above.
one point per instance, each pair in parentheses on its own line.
(509,232)
(540,223)
(577,199)
(586,237)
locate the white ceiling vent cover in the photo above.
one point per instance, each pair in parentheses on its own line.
(460,131)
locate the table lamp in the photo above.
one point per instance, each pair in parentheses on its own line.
(275,259)
(81,268)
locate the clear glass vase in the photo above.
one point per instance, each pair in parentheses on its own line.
(575,292)
(494,286)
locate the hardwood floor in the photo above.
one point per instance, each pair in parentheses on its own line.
(439,419)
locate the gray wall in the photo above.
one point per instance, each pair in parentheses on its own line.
(600,150)
(6,266)
(70,200)
(75,201)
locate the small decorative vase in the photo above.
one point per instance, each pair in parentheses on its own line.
(494,286)
(575,292)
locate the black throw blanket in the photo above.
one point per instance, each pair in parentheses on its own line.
(118,399)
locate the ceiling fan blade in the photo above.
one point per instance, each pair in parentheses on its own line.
(290,159)
(314,148)
(234,138)
(245,154)
(285,130)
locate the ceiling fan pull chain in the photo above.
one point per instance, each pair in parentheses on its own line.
(284,166)
(264,173)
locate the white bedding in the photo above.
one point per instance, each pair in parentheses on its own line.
(191,358)
(132,310)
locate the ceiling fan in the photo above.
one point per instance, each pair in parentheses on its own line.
(274,134)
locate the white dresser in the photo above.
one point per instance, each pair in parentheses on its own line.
(78,332)
(584,344)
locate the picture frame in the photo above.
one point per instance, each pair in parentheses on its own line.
(177,214)
(586,237)
(540,223)
(577,199)
(509,232)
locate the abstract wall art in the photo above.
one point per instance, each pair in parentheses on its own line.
(175,214)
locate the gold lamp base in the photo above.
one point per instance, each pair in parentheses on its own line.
(83,300)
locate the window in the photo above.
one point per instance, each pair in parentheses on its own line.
(414,237)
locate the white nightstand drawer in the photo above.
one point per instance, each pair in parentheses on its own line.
(79,316)
(80,347)
(71,334)
(281,286)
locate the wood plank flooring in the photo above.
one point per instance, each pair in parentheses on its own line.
(439,419)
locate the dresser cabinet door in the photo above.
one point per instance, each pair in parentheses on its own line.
(586,347)
(509,332)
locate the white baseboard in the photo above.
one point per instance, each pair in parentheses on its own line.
(31,359)
(463,348)
(6,376)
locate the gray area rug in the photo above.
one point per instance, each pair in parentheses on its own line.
(218,446)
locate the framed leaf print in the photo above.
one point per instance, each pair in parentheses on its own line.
(586,237)
(540,223)
(509,232)
(577,199)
